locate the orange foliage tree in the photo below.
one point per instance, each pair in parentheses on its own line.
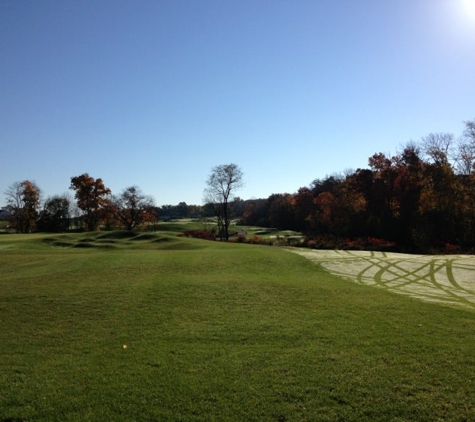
(23,201)
(92,198)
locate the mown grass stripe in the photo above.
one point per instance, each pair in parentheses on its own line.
(455,294)
(451,278)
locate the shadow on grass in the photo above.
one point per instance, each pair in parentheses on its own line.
(120,239)
(84,245)
(119,234)
(145,237)
(182,246)
(12,420)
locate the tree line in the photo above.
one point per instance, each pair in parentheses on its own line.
(419,199)
(93,206)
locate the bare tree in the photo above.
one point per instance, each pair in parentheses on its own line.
(465,159)
(469,131)
(438,147)
(223,181)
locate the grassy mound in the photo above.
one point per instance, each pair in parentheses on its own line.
(115,240)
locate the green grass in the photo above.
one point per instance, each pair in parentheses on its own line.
(180,225)
(4,227)
(216,332)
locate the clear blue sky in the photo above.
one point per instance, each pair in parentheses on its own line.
(155,93)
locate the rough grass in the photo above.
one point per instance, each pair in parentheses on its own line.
(173,329)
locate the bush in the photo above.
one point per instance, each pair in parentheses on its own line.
(199,234)
(451,249)
(255,240)
(333,242)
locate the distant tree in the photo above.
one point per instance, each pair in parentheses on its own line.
(350,208)
(23,201)
(466,168)
(438,147)
(327,184)
(132,207)
(92,198)
(223,181)
(469,131)
(326,206)
(281,211)
(56,214)
(465,150)
(381,201)
(304,209)
(237,208)
(256,213)
(195,211)
(440,205)
(182,210)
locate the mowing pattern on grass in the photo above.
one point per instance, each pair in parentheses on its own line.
(167,328)
(117,240)
(445,279)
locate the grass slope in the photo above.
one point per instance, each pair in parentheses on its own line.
(123,326)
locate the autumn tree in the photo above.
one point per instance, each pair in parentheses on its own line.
(23,201)
(407,187)
(281,211)
(132,207)
(56,214)
(222,183)
(327,184)
(325,206)
(92,198)
(440,206)
(256,213)
(350,208)
(378,188)
(304,209)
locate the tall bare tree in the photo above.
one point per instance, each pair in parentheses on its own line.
(465,159)
(222,183)
(438,147)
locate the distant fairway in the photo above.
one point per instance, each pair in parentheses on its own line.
(445,279)
(123,326)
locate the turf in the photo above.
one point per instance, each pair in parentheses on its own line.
(156,327)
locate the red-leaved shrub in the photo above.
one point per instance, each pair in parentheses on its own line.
(199,234)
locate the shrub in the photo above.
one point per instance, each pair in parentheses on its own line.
(199,234)
(255,240)
(451,249)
